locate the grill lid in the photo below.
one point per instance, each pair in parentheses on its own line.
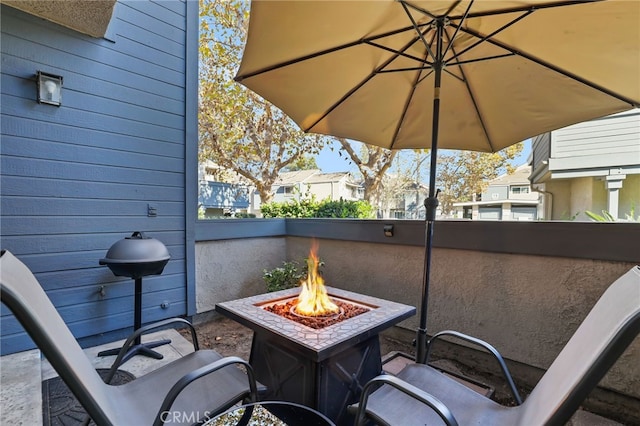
(136,256)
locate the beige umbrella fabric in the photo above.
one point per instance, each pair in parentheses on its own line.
(456,74)
(553,67)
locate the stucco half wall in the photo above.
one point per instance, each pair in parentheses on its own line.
(232,269)
(527,306)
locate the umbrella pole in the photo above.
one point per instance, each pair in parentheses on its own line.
(431,203)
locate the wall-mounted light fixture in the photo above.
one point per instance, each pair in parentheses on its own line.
(388,230)
(49,88)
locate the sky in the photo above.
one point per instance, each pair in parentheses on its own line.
(330,161)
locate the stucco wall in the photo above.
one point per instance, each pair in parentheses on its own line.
(526,306)
(629,196)
(572,197)
(560,199)
(232,269)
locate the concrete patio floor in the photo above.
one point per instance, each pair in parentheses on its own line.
(21,389)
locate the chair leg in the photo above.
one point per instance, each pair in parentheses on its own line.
(246,416)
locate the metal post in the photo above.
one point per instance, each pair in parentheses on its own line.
(431,203)
(137,309)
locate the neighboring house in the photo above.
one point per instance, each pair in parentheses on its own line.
(508,197)
(591,166)
(409,203)
(301,184)
(218,199)
(117,156)
(210,171)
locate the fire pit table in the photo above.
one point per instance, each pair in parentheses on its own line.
(322,368)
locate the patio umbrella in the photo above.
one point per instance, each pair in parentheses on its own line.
(457,74)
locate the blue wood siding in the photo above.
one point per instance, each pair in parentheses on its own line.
(541,147)
(78,178)
(609,142)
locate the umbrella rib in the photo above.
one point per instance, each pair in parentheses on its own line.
(482,39)
(427,67)
(406,108)
(417,29)
(359,85)
(403,54)
(525,8)
(559,70)
(425,62)
(452,74)
(471,95)
(431,15)
(273,67)
(427,75)
(417,81)
(366,40)
(453,37)
(486,58)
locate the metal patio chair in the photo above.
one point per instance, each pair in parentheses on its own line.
(199,385)
(422,395)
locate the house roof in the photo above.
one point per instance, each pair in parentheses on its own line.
(311,176)
(329,177)
(519,177)
(297,176)
(314,176)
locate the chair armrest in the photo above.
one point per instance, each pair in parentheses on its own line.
(489,348)
(200,372)
(434,403)
(145,329)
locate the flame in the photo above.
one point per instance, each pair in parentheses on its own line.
(313,299)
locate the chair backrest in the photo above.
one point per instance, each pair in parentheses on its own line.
(23,295)
(603,336)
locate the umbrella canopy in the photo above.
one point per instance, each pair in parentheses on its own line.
(458,74)
(364,70)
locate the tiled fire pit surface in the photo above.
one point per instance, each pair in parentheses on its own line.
(324,342)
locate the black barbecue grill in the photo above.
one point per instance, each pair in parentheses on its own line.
(135,257)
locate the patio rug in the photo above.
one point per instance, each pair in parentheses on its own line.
(61,408)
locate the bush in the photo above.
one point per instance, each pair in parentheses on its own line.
(245,215)
(295,208)
(289,275)
(284,277)
(607,217)
(312,208)
(346,208)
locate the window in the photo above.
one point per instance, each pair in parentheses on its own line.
(519,189)
(467,212)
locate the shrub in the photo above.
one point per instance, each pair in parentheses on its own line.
(607,217)
(311,208)
(289,275)
(294,208)
(286,276)
(346,208)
